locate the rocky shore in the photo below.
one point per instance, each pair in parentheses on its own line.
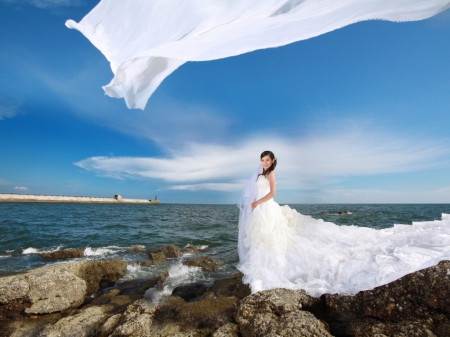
(88,298)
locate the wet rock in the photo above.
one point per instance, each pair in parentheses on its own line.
(191,250)
(278,313)
(161,279)
(231,286)
(344,212)
(28,326)
(155,258)
(169,251)
(227,330)
(137,248)
(192,291)
(84,324)
(64,254)
(58,287)
(159,257)
(124,294)
(207,263)
(205,315)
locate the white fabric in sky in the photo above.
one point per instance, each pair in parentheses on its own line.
(146,40)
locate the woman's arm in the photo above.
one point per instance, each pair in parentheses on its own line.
(272,192)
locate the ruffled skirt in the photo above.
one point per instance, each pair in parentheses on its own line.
(286,249)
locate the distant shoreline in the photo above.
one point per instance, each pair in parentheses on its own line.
(39,198)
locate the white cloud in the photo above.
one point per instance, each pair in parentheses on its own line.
(21,188)
(308,163)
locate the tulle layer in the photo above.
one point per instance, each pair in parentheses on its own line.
(289,250)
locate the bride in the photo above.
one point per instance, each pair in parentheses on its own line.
(281,248)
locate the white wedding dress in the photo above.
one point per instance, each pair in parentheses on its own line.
(285,249)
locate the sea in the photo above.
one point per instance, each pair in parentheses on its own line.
(108,231)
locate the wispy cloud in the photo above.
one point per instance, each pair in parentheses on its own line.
(169,123)
(21,188)
(8,110)
(308,163)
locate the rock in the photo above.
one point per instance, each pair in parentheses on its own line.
(155,258)
(54,290)
(28,326)
(414,295)
(207,314)
(124,294)
(370,327)
(109,326)
(57,287)
(98,270)
(85,324)
(296,323)
(158,257)
(207,263)
(169,251)
(64,254)
(161,279)
(191,250)
(231,286)
(344,212)
(192,291)
(419,296)
(137,248)
(137,319)
(278,312)
(12,288)
(227,330)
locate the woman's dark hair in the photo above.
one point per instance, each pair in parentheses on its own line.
(272,167)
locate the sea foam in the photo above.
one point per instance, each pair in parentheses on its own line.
(31,250)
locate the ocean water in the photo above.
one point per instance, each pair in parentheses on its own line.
(128,231)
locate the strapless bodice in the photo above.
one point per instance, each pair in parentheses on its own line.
(263,185)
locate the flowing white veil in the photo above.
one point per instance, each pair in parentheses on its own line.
(245,210)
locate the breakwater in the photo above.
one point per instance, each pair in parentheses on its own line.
(117,199)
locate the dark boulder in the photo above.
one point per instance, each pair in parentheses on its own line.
(192,291)
(64,254)
(191,250)
(169,251)
(207,263)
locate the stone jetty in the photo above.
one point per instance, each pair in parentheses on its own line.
(87,298)
(13,197)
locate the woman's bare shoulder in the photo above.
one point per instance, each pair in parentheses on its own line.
(271,175)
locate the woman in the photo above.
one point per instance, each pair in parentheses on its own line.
(281,248)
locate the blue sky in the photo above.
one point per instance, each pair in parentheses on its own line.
(358,115)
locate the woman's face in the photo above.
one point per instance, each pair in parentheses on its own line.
(266,162)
